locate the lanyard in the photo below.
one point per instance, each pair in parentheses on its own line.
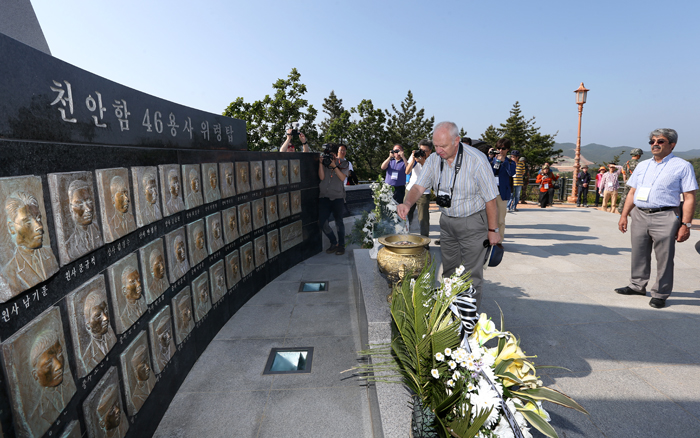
(656,176)
(458,166)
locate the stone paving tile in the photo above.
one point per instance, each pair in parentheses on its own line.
(321,319)
(265,321)
(275,293)
(680,383)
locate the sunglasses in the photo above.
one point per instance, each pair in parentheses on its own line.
(659,142)
(395,151)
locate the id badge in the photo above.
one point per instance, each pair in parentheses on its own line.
(642,194)
(546,186)
(610,184)
(394,175)
(497,183)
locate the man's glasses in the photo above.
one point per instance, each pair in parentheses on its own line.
(659,142)
(395,151)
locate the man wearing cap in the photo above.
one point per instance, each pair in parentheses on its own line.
(628,169)
(659,219)
(503,170)
(582,181)
(395,166)
(517,180)
(609,184)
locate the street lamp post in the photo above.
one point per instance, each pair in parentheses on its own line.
(581,94)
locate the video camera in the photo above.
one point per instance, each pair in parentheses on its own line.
(295,129)
(326,156)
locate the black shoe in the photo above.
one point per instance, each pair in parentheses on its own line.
(332,249)
(437,242)
(657,303)
(629,291)
(340,250)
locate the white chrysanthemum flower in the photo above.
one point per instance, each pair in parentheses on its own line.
(451,383)
(485,399)
(503,429)
(459,271)
(439,357)
(448,352)
(456,375)
(435,373)
(452,364)
(471,387)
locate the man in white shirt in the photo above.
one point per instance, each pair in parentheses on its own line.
(414,167)
(342,152)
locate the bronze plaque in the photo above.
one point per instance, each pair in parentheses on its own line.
(258,207)
(126,292)
(295,202)
(260,251)
(256,175)
(217,277)
(271,208)
(291,235)
(215,234)
(146,195)
(38,373)
(228,180)
(182,314)
(196,243)
(242,177)
(75,214)
(103,409)
(192,186)
(115,203)
(270,173)
(178,265)
(295,171)
(247,258)
(137,373)
(283,205)
(160,333)
(200,293)
(90,327)
(210,176)
(245,219)
(273,243)
(25,247)
(233,269)
(282,172)
(230,218)
(155,282)
(171,189)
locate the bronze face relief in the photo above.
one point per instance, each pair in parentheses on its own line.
(270,173)
(104,410)
(230,219)
(160,331)
(171,189)
(256,170)
(39,378)
(137,373)
(247,258)
(178,264)
(196,242)
(192,186)
(295,202)
(295,174)
(258,207)
(228,180)
(75,215)
(217,279)
(146,195)
(126,292)
(25,248)
(90,324)
(182,314)
(283,205)
(210,174)
(155,281)
(260,251)
(233,269)
(271,205)
(215,233)
(273,243)
(200,293)
(245,219)
(115,203)
(242,177)
(282,172)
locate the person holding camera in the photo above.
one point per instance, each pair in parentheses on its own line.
(332,172)
(395,166)
(466,194)
(503,170)
(415,165)
(287,146)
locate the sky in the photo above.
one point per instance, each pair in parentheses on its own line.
(465,61)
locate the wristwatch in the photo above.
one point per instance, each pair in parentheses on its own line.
(495,230)
(687,224)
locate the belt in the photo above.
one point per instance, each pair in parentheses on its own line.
(655,210)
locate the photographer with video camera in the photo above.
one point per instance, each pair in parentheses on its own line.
(332,171)
(292,132)
(414,167)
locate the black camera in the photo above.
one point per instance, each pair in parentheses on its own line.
(295,129)
(420,153)
(443,201)
(326,156)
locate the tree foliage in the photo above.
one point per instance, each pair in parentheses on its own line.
(408,125)
(267,119)
(335,129)
(367,140)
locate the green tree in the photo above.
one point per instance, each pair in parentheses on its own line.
(336,127)
(462,132)
(408,125)
(367,140)
(267,119)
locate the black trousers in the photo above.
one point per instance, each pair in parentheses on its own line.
(582,195)
(399,193)
(325,208)
(544,197)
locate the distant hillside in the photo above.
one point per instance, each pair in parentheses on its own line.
(598,153)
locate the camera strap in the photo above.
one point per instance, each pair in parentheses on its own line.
(458,166)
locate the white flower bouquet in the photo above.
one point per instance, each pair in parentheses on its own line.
(381,221)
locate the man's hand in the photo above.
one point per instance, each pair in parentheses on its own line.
(289,133)
(622,224)
(494,238)
(402,210)
(585,184)
(400,154)
(302,137)
(683,234)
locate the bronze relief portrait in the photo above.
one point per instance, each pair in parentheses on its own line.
(192,186)
(160,333)
(271,209)
(126,292)
(26,256)
(256,175)
(230,218)
(270,173)
(103,409)
(155,281)
(39,378)
(196,242)
(215,233)
(283,205)
(182,314)
(217,279)
(75,214)
(115,203)
(146,195)
(90,324)
(273,243)
(242,177)
(247,258)
(260,251)
(171,189)
(245,219)
(295,171)
(72,430)
(210,176)
(258,207)
(200,293)
(178,264)
(233,269)
(282,172)
(228,180)
(137,373)
(291,235)
(295,202)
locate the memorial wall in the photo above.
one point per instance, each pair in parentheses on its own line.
(132,229)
